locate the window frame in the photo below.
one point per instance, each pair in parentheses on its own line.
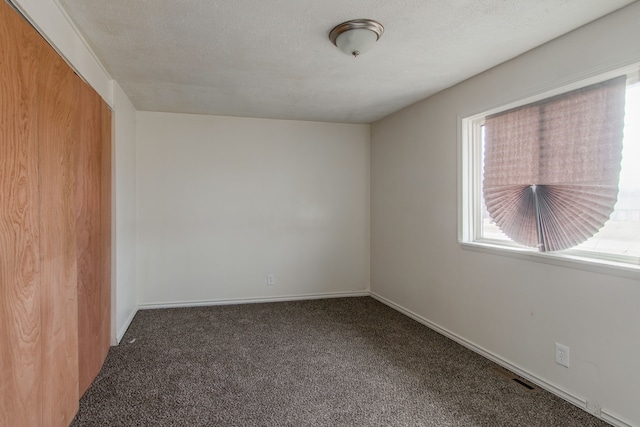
(470,193)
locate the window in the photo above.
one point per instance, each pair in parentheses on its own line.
(558,173)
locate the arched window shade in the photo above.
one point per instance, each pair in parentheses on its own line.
(551,168)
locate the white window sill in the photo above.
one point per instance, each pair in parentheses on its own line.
(612,268)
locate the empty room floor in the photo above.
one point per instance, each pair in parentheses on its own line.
(332,362)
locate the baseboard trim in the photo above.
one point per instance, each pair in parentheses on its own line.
(180,304)
(126,325)
(614,419)
(578,401)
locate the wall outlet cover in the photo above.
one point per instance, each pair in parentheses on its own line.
(562,355)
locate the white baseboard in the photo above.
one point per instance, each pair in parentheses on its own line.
(126,325)
(302,297)
(578,401)
(614,419)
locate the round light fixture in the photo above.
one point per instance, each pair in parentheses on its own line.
(357,36)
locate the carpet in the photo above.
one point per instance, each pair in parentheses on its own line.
(333,362)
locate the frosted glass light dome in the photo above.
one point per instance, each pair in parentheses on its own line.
(357,36)
(356,42)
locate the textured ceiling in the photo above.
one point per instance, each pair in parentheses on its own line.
(273,59)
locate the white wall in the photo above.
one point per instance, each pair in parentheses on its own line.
(125,295)
(223,202)
(514,309)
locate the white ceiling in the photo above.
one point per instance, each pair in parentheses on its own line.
(273,59)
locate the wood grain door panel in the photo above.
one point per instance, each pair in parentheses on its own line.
(55,230)
(88,225)
(20,291)
(57,132)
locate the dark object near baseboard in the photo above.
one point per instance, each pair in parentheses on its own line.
(511,376)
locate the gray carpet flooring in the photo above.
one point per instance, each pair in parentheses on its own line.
(334,362)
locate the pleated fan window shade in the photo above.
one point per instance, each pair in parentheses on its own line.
(551,168)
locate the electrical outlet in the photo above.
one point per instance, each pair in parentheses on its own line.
(562,355)
(271,280)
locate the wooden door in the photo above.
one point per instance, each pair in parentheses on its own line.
(57,138)
(20,290)
(93,223)
(55,230)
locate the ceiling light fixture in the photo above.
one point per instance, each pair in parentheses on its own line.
(357,36)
